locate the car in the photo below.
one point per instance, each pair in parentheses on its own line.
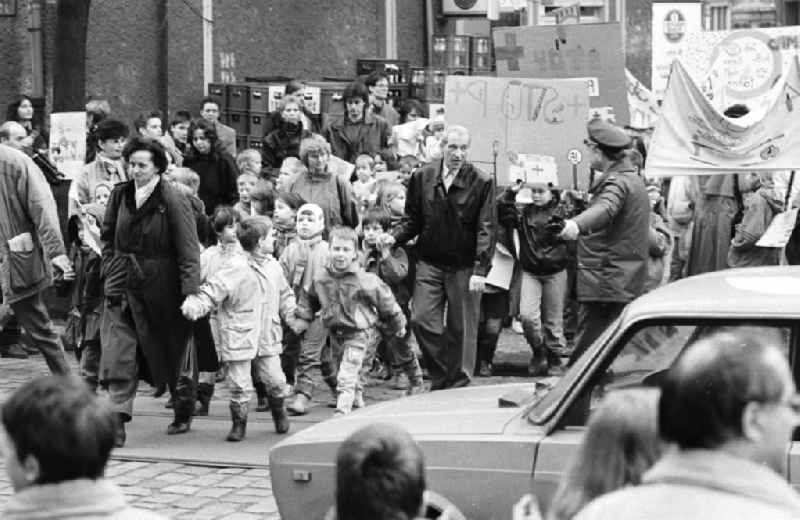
(487,446)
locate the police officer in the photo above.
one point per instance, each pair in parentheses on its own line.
(612,235)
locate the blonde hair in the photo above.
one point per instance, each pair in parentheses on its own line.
(186,177)
(386,192)
(249,161)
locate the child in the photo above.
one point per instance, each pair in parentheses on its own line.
(284,219)
(759,210)
(407,166)
(249,161)
(290,167)
(224,224)
(262,199)
(251,296)
(660,239)
(528,209)
(391,266)
(364,182)
(351,303)
(302,260)
(245,184)
(102,192)
(188,182)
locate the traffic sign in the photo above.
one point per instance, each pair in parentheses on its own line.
(574,156)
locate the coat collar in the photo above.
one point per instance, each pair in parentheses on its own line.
(74,498)
(619,166)
(461,180)
(153,203)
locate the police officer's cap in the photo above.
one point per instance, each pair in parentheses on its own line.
(607,134)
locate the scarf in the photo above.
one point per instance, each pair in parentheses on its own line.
(143,193)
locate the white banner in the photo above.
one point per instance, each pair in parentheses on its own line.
(68,142)
(642,104)
(671,23)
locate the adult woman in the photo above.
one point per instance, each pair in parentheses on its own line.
(21,111)
(216,168)
(96,111)
(284,141)
(621,443)
(320,186)
(151,260)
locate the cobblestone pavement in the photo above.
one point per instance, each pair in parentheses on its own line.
(196,491)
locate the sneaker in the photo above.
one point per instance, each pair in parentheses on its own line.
(299,406)
(358,400)
(400,381)
(516,326)
(339,413)
(415,387)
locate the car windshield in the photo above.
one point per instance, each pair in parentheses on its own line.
(640,358)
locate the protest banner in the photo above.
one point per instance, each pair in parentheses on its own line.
(780,230)
(693,138)
(568,51)
(68,142)
(740,66)
(520,115)
(643,107)
(671,23)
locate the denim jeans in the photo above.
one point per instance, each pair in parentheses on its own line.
(541,310)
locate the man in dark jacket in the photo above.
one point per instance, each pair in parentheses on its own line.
(612,235)
(358,131)
(450,205)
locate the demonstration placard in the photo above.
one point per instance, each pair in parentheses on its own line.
(68,142)
(568,51)
(693,138)
(780,230)
(644,109)
(671,24)
(545,118)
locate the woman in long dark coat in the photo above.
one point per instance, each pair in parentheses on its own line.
(151,261)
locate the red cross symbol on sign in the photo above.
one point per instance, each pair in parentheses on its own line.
(511,52)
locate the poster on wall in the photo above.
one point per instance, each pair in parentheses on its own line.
(693,138)
(68,142)
(540,120)
(671,24)
(590,51)
(741,66)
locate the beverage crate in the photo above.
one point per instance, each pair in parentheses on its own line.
(259,98)
(330,97)
(450,51)
(397,95)
(481,58)
(257,123)
(238,97)
(428,82)
(219,92)
(239,121)
(241,143)
(396,70)
(255,142)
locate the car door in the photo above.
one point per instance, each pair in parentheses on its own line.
(636,357)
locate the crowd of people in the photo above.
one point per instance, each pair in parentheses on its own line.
(342,250)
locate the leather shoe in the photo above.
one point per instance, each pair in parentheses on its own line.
(460,382)
(178,428)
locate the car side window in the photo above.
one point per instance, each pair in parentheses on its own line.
(648,352)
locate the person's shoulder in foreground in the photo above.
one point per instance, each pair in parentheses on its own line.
(57,436)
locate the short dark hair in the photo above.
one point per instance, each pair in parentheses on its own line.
(407,107)
(209,99)
(209,130)
(141,120)
(223,217)
(156,149)
(374,77)
(58,420)
(380,473)
(251,230)
(111,129)
(354,90)
(291,199)
(293,86)
(181,116)
(376,216)
(704,395)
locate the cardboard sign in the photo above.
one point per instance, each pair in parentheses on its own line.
(68,142)
(567,51)
(502,268)
(779,230)
(643,107)
(671,23)
(532,116)
(693,138)
(534,169)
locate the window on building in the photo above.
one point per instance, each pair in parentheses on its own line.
(717,18)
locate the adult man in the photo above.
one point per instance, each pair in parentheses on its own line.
(149,124)
(358,131)
(30,239)
(450,205)
(14,135)
(612,235)
(378,85)
(226,136)
(729,405)
(57,437)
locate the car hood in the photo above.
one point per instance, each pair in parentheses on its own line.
(464,411)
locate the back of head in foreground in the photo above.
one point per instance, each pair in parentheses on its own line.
(380,475)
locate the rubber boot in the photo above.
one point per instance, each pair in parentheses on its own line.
(205,391)
(279,416)
(183,407)
(538,366)
(239,420)
(261,395)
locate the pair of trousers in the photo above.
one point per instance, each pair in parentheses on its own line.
(541,310)
(593,319)
(118,330)
(32,315)
(488,334)
(314,354)
(449,350)
(353,353)
(90,362)
(240,377)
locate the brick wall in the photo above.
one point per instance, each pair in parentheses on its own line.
(15,78)
(639,15)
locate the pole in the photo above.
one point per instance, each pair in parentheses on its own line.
(574,176)
(208,44)
(788,191)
